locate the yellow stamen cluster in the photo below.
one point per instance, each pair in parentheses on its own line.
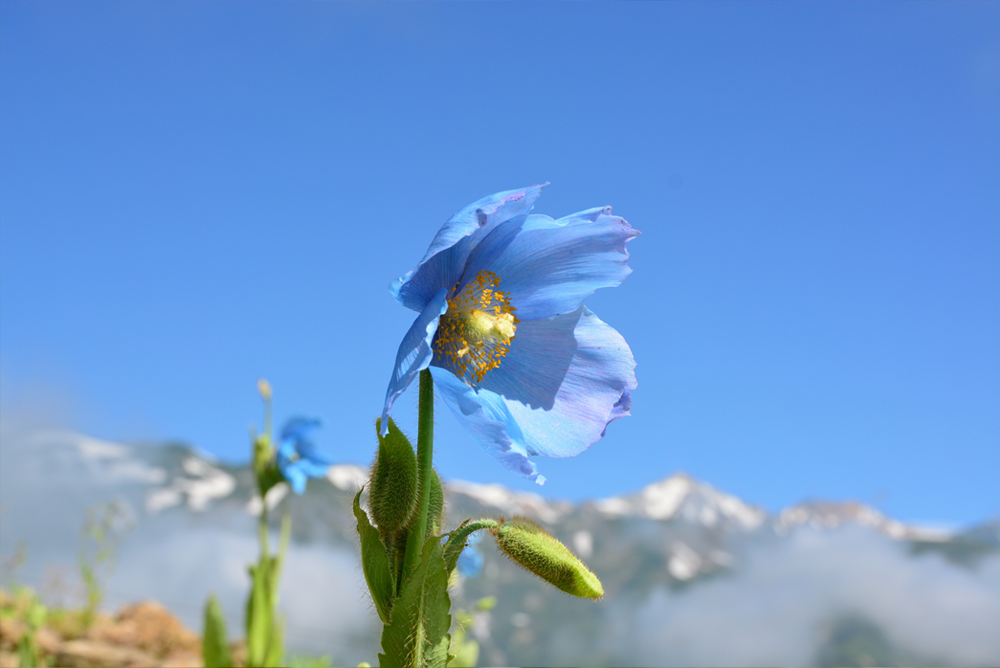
(475,334)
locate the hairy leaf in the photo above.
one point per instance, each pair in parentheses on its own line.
(374,563)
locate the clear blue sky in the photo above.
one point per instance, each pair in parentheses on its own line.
(193,195)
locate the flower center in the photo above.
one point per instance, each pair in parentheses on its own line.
(475,333)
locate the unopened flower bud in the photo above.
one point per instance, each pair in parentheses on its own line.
(392,496)
(531,547)
(263,453)
(264,388)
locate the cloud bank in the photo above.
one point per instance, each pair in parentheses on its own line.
(787,597)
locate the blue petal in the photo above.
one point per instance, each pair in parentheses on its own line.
(444,261)
(550,266)
(620,409)
(485,416)
(295,477)
(295,441)
(313,468)
(415,351)
(564,380)
(309,452)
(286,451)
(298,428)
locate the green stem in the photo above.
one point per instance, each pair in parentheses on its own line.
(425,457)
(267,416)
(262,520)
(265,551)
(283,540)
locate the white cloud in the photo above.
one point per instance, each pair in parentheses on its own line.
(777,607)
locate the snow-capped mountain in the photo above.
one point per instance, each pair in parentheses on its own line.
(680,496)
(677,550)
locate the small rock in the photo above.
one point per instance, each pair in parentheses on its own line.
(150,627)
(10,633)
(48,640)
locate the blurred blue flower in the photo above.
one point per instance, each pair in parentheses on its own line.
(470,561)
(525,367)
(298,458)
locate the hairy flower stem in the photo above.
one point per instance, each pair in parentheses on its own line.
(425,458)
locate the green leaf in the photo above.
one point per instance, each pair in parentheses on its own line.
(214,643)
(258,614)
(374,563)
(27,651)
(276,648)
(417,632)
(255,619)
(265,646)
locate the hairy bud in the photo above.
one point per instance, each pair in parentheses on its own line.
(528,545)
(392,496)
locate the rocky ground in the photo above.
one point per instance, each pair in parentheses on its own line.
(140,634)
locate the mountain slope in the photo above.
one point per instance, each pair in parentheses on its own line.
(689,570)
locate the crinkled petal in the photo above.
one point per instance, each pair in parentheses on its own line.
(550,266)
(564,379)
(415,351)
(445,259)
(485,416)
(620,409)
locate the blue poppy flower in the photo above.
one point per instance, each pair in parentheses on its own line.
(524,366)
(298,458)
(470,561)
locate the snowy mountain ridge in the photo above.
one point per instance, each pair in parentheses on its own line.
(676,497)
(701,529)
